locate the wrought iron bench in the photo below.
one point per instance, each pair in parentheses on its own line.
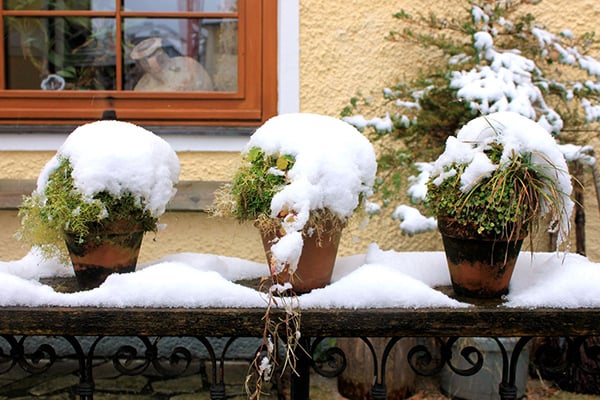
(75,325)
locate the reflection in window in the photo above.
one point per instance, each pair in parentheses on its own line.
(97,5)
(181,5)
(164,73)
(192,48)
(71,53)
(182,62)
(180,54)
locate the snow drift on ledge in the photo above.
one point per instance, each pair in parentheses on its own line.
(376,279)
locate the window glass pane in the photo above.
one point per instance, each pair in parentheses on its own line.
(62,53)
(96,5)
(180,54)
(181,5)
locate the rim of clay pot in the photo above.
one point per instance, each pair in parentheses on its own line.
(450,227)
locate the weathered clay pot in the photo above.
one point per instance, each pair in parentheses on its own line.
(108,250)
(480,266)
(316,263)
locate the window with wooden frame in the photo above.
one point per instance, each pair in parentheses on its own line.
(159,62)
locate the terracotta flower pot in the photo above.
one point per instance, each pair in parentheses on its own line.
(479,266)
(316,263)
(108,250)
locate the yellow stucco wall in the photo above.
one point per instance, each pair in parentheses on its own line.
(183,232)
(342,51)
(343,48)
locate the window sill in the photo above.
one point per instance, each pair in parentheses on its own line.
(191,195)
(181,138)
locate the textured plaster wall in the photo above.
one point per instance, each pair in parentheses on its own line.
(343,49)
(216,166)
(183,232)
(342,52)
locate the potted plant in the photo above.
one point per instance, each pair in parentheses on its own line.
(501,177)
(104,188)
(301,178)
(494,56)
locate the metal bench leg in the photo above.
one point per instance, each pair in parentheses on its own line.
(508,386)
(300,381)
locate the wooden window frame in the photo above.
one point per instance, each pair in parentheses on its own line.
(254,102)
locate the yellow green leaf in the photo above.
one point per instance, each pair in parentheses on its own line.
(282,163)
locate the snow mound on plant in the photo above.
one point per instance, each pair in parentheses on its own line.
(334,167)
(119,157)
(334,162)
(517,135)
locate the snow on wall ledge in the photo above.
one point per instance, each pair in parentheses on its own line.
(376,279)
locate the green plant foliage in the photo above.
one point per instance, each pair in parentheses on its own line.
(257,181)
(61,208)
(423,112)
(506,204)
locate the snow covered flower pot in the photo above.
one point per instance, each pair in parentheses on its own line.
(302,177)
(104,188)
(499,178)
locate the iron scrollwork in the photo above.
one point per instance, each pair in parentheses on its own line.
(328,361)
(427,360)
(9,359)
(37,361)
(169,359)
(127,359)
